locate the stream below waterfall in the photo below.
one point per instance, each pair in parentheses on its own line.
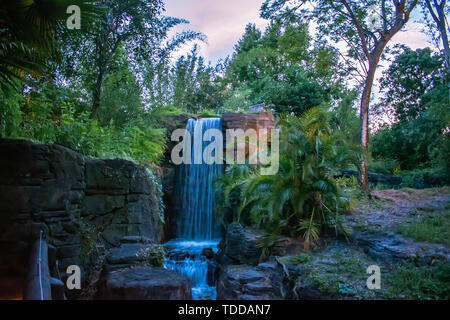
(185,257)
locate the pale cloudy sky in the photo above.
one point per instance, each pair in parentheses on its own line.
(223,22)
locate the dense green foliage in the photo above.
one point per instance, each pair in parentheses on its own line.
(90,98)
(417,101)
(278,68)
(80,133)
(29,31)
(301,199)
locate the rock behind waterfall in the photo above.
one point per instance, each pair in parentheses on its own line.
(145,283)
(240,245)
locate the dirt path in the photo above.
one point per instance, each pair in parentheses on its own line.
(388,209)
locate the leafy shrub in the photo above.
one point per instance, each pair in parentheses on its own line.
(425,283)
(350,187)
(426,178)
(78,132)
(10,114)
(384,167)
(206,113)
(302,199)
(168,111)
(228,189)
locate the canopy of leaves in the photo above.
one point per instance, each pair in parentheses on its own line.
(417,100)
(278,68)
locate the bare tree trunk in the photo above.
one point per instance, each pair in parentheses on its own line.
(364,126)
(96,94)
(364,114)
(373,57)
(441,21)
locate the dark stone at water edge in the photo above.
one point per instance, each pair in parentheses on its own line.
(208,253)
(145,283)
(244,282)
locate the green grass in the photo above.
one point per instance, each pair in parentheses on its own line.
(295,259)
(434,229)
(412,283)
(344,274)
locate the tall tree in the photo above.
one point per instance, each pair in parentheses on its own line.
(138,25)
(366,27)
(196,86)
(407,84)
(439,12)
(279,68)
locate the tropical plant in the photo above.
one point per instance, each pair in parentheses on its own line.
(228,190)
(302,199)
(29,33)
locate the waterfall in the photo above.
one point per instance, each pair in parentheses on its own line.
(185,257)
(196,226)
(196,192)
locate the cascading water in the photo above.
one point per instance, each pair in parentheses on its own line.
(196,189)
(196,229)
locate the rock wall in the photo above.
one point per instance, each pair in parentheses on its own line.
(76,202)
(256,121)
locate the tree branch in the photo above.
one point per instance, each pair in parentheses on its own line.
(359,29)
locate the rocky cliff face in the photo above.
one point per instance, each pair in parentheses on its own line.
(78,203)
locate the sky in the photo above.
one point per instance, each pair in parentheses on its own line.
(223,23)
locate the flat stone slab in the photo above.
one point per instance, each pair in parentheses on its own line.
(127,253)
(145,283)
(245,282)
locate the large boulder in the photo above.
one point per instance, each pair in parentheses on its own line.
(244,282)
(240,246)
(243,245)
(134,250)
(145,283)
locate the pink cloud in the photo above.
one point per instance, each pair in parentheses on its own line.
(223,22)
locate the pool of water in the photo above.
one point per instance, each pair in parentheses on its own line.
(185,257)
